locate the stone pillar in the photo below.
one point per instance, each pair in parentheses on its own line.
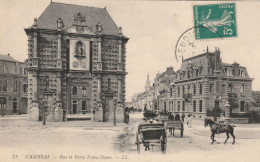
(99,63)
(119,89)
(59,62)
(34,111)
(35,86)
(99,87)
(98,112)
(119,65)
(58,88)
(58,114)
(120,117)
(35,45)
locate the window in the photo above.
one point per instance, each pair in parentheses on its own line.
(183,90)
(200,88)
(230,86)
(188,88)
(223,89)
(25,88)
(200,105)
(74,90)
(171,92)
(5,85)
(180,75)
(210,87)
(242,105)
(1,68)
(194,105)
(194,89)
(1,85)
(3,100)
(197,72)
(179,91)
(84,91)
(15,105)
(242,88)
(74,107)
(15,86)
(188,74)
(84,107)
(178,105)
(183,105)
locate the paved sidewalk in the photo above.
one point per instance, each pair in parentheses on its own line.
(23,121)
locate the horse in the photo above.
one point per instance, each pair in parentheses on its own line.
(214,128)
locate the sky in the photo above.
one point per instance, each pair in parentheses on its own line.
(153,28)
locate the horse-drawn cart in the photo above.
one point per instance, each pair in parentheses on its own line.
(172,125)
(153,133)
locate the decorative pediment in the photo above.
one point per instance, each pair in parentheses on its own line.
(77,29)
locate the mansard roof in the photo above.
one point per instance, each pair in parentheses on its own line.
(67,12)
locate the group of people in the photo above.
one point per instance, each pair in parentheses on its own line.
(178,117)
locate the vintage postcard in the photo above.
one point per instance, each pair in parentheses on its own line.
(90,81)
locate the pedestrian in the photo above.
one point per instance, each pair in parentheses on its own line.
(182,117)
(127,117)
(177,117)
(189,121)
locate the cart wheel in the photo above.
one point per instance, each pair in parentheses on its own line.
(137,142)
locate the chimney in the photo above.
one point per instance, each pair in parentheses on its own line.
(35,22)
(120,30)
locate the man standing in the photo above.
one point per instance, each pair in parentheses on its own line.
(182,117)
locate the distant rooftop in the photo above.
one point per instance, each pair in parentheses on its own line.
(7,57)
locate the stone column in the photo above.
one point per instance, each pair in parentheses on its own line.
(98,110)
(59,63)
(119,89)
(99,63)
(35,85)
(35,44)
(119,65)
(58,88)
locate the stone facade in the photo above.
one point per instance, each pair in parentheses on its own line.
(13,86)
(76,62)
(204,82)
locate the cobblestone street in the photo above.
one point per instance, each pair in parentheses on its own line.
(85,138)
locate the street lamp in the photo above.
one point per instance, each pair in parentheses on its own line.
(114,121)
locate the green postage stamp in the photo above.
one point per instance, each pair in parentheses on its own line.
(215,20)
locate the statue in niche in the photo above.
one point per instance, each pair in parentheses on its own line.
(79,50)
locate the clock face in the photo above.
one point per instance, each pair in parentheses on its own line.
(187,46)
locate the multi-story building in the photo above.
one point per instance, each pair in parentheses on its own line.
(204,82)
(76,58)
(13,86)
(155,97)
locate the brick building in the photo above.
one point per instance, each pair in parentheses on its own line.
(204,82)
(76,58)
(13,86)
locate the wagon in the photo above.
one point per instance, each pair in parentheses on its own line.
(172,125)
(152,133)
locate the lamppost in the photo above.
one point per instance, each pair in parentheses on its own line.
(114,121)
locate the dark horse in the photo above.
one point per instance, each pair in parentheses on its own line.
(214,127)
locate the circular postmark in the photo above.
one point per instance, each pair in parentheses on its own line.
(187,45)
